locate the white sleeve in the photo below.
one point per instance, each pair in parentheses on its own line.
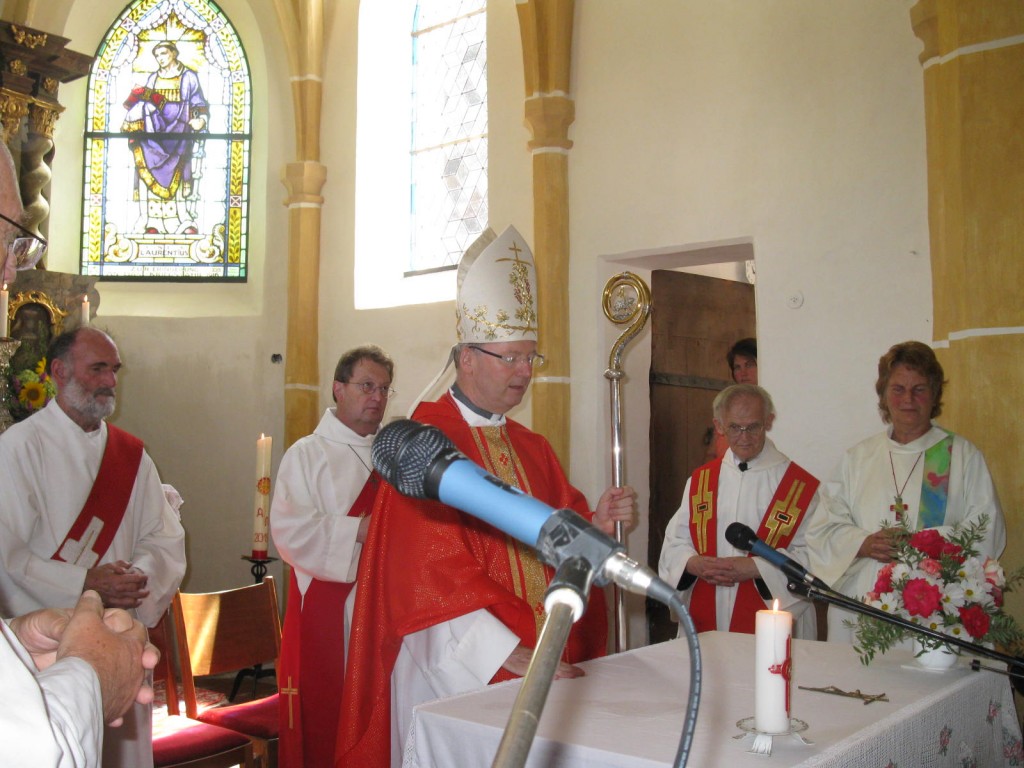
(677,548)
(310,530)
(159,547)
(49,718)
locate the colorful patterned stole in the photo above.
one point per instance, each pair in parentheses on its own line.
(529,575)
(935,484)
(781,520)
(93,530)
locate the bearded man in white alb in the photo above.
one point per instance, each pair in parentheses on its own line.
(83,508)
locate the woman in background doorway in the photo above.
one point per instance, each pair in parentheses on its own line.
(742,359)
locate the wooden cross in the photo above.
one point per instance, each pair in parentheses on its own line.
(898,507)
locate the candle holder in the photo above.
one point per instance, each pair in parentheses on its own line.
(258,570)
(8,347)
(763,741)
(259,566)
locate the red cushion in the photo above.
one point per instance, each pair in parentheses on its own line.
(256,718)
(181,740)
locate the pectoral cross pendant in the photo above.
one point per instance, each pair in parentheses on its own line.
(898,507)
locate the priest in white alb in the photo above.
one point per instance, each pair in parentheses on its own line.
(83,508)
(754,484)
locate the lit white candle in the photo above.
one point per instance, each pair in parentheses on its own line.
(773,666)
(4,305)
(84,320)
(261,520)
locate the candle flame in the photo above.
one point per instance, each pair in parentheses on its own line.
(5,286)
(775,605)
(263,436)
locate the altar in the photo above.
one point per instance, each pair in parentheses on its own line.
(627,712)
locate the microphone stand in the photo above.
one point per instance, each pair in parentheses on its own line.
(564,602)
(832,597)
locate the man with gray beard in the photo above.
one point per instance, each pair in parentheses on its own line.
(83,508)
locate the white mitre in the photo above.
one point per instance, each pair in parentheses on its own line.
(495,295)
(496,290)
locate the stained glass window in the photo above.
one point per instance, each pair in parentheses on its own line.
(448,195)
(167,145)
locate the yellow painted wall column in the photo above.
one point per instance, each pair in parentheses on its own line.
(973,62)
(546,31)
(303,31)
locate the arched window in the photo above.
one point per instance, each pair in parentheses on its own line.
(167,144)
(448,191)
(421,167)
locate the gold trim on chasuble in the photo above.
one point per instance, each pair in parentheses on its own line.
(784,514)
(529,581)
(701,504)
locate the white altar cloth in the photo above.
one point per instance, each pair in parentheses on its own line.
(627,712)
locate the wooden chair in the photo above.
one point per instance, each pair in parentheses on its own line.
(219,632)
(179,742)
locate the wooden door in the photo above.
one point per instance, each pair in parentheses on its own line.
(694,322)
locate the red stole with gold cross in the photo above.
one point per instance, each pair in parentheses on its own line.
(93,530)
(781,520)
(311,663)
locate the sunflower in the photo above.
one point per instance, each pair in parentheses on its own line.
(41,366)
(33,395)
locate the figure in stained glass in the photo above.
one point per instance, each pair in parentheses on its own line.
(170,102)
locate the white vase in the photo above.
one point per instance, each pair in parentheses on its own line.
(933,658)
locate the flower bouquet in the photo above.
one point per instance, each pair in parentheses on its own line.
(940,583)
(33,389)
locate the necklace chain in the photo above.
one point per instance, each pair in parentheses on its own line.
(898,506)
(367,466)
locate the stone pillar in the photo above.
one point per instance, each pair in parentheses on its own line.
(303,31)
(546,31)
(973,64)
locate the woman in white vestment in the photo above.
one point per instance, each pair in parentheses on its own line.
(915,471)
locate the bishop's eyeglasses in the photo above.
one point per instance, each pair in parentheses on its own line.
(534,359)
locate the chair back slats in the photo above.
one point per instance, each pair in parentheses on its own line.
(225,631)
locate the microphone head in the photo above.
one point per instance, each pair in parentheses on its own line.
(403,452)
(740,536)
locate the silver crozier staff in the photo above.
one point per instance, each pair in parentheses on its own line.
(626,301)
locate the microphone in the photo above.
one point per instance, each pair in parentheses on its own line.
(420,461)
(742,537)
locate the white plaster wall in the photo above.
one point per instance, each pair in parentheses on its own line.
(796,123)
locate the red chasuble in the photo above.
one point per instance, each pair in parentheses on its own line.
(785,513)
(312,669)
(425,563)
(93,530)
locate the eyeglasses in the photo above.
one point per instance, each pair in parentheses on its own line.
(27,251)
(534,359)
(735,430)
(368,388)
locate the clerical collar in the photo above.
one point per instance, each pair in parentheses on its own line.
(461,396)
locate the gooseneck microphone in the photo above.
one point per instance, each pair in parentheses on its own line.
(742,537)
(420,461)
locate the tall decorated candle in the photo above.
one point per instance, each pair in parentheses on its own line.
(84,317)
(261,521)
(773,668)
(3,310)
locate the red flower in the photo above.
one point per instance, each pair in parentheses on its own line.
(930,542)
(997,597)
(975,621)
(954,551)
(883,583)
(930,566)
(921,598)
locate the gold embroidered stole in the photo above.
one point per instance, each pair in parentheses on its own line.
(529,579)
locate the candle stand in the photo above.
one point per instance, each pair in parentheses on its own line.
(763,741)
(8,347)
(258,570)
